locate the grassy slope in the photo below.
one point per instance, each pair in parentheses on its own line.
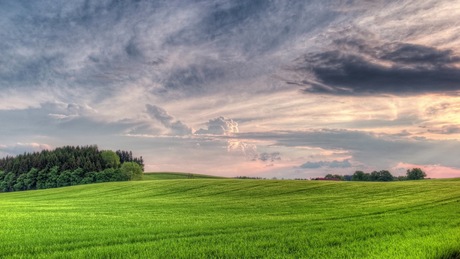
(174,175)
(233,218)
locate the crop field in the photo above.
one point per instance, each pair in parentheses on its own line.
(230,218)
(174,175)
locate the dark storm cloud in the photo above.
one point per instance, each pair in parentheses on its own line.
(357,66)
(418,55)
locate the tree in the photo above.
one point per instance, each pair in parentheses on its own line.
(415,174)
(8,182)
(20,185)
(334,177)
(132,170)
(64,178)
(76,176)
(401,178)
(31,179)
(66,166)
(347,177)
(329,176)
(360,176)
(52,177)
(381,176)
(111,159)
(385,176)
(41,179)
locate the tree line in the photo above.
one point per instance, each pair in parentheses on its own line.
(377,176)
(67,166)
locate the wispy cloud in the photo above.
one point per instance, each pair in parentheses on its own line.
(270,85)
(376,150)
(220,126)
(20,148)
(176,126)
(329,164)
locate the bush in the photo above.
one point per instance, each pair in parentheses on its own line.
(132,171)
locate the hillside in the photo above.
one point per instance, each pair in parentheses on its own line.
(234,218)
(176,176)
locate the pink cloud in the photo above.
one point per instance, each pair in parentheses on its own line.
(434,171)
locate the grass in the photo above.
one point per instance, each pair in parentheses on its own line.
(232,218)
(175,176)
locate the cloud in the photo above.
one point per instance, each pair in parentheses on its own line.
(58,123)
(142,129)
(220,126)
(175,126)
(191,48)
(169,47)
(328,164)
(247,149)
(412,54)
(358,64)
(437,108)
(433,171)
(63,111)
(446,129)
(223,127)
(369,149)
(269,157)
(20,148)
(88,72)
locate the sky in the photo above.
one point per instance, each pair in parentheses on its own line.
(261,88)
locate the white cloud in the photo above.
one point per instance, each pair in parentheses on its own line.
(220,126)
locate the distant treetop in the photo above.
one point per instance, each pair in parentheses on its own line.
(376,176)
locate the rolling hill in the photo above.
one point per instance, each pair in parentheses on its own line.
(204,218)
(176,176)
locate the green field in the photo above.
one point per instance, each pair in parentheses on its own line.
(230,218)
(175,176)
